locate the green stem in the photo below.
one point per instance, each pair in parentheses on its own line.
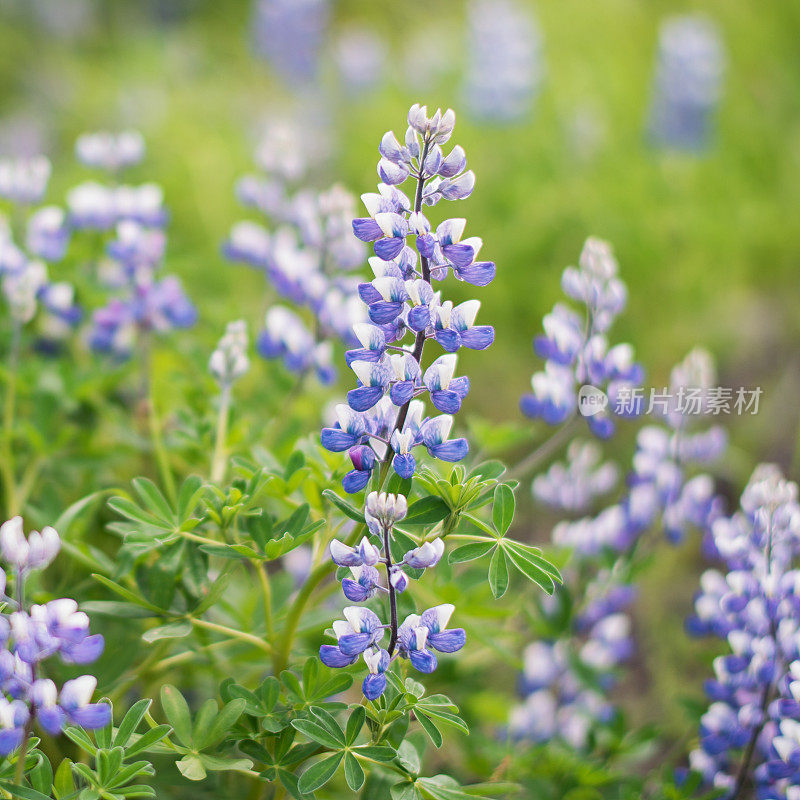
(266,594)
(19,772)
(219,461)
(232,633)
(9,408)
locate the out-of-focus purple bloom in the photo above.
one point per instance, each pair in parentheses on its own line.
(688,82)
(47,233)
(360,56)
(24,180)
(505,60)
(289,34)
(576,350)
(109,151)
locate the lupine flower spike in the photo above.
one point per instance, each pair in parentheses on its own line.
(384,420)
(362,632)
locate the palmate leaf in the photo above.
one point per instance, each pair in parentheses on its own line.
(503,508)
(319,773)
(176,710)
(498,573)
(318,733)
(353,772)
(471,551)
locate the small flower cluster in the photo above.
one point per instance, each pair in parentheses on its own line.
(384,415)
(110,152)
(32,634)
(658,486)
(658,491)
(749,735)
(505,60)
(576,348)
(361,632)
(95,206)
(144,302)
(26,285)
(229,361)
(575,484)
(308,260)
(289,34)
(559,701)
(688,82)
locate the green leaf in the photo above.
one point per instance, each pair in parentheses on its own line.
(175,630)
(498,573)
(189,496)
(66,520)
(355,724)
(353,773)
(81,738)
(489,470)
(346,508)
(203,721)
(22,792)
(430,728)
(503,508)
(319,773)
(130,596)
(191,767)
(531,570)
(147,740)
(317,733)
(376,752)
(151,496)
(176,709)
(469,552)
(64,783)
(223,723)
(130,722)
(426,511)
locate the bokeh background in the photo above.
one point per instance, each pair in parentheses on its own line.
(707,236)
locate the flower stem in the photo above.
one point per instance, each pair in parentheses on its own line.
(392,593)
(9,408)
(546,448)
(232,633)
(19,772)
(219,461)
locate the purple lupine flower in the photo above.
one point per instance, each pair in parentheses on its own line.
(573,485)
(72,705)
(32,635)
(747,734)
(24,180)
(47,234)
(377,661)
(401,299)
(576,350)
(151,305)
(362,585)
(307,259)
(688,82)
